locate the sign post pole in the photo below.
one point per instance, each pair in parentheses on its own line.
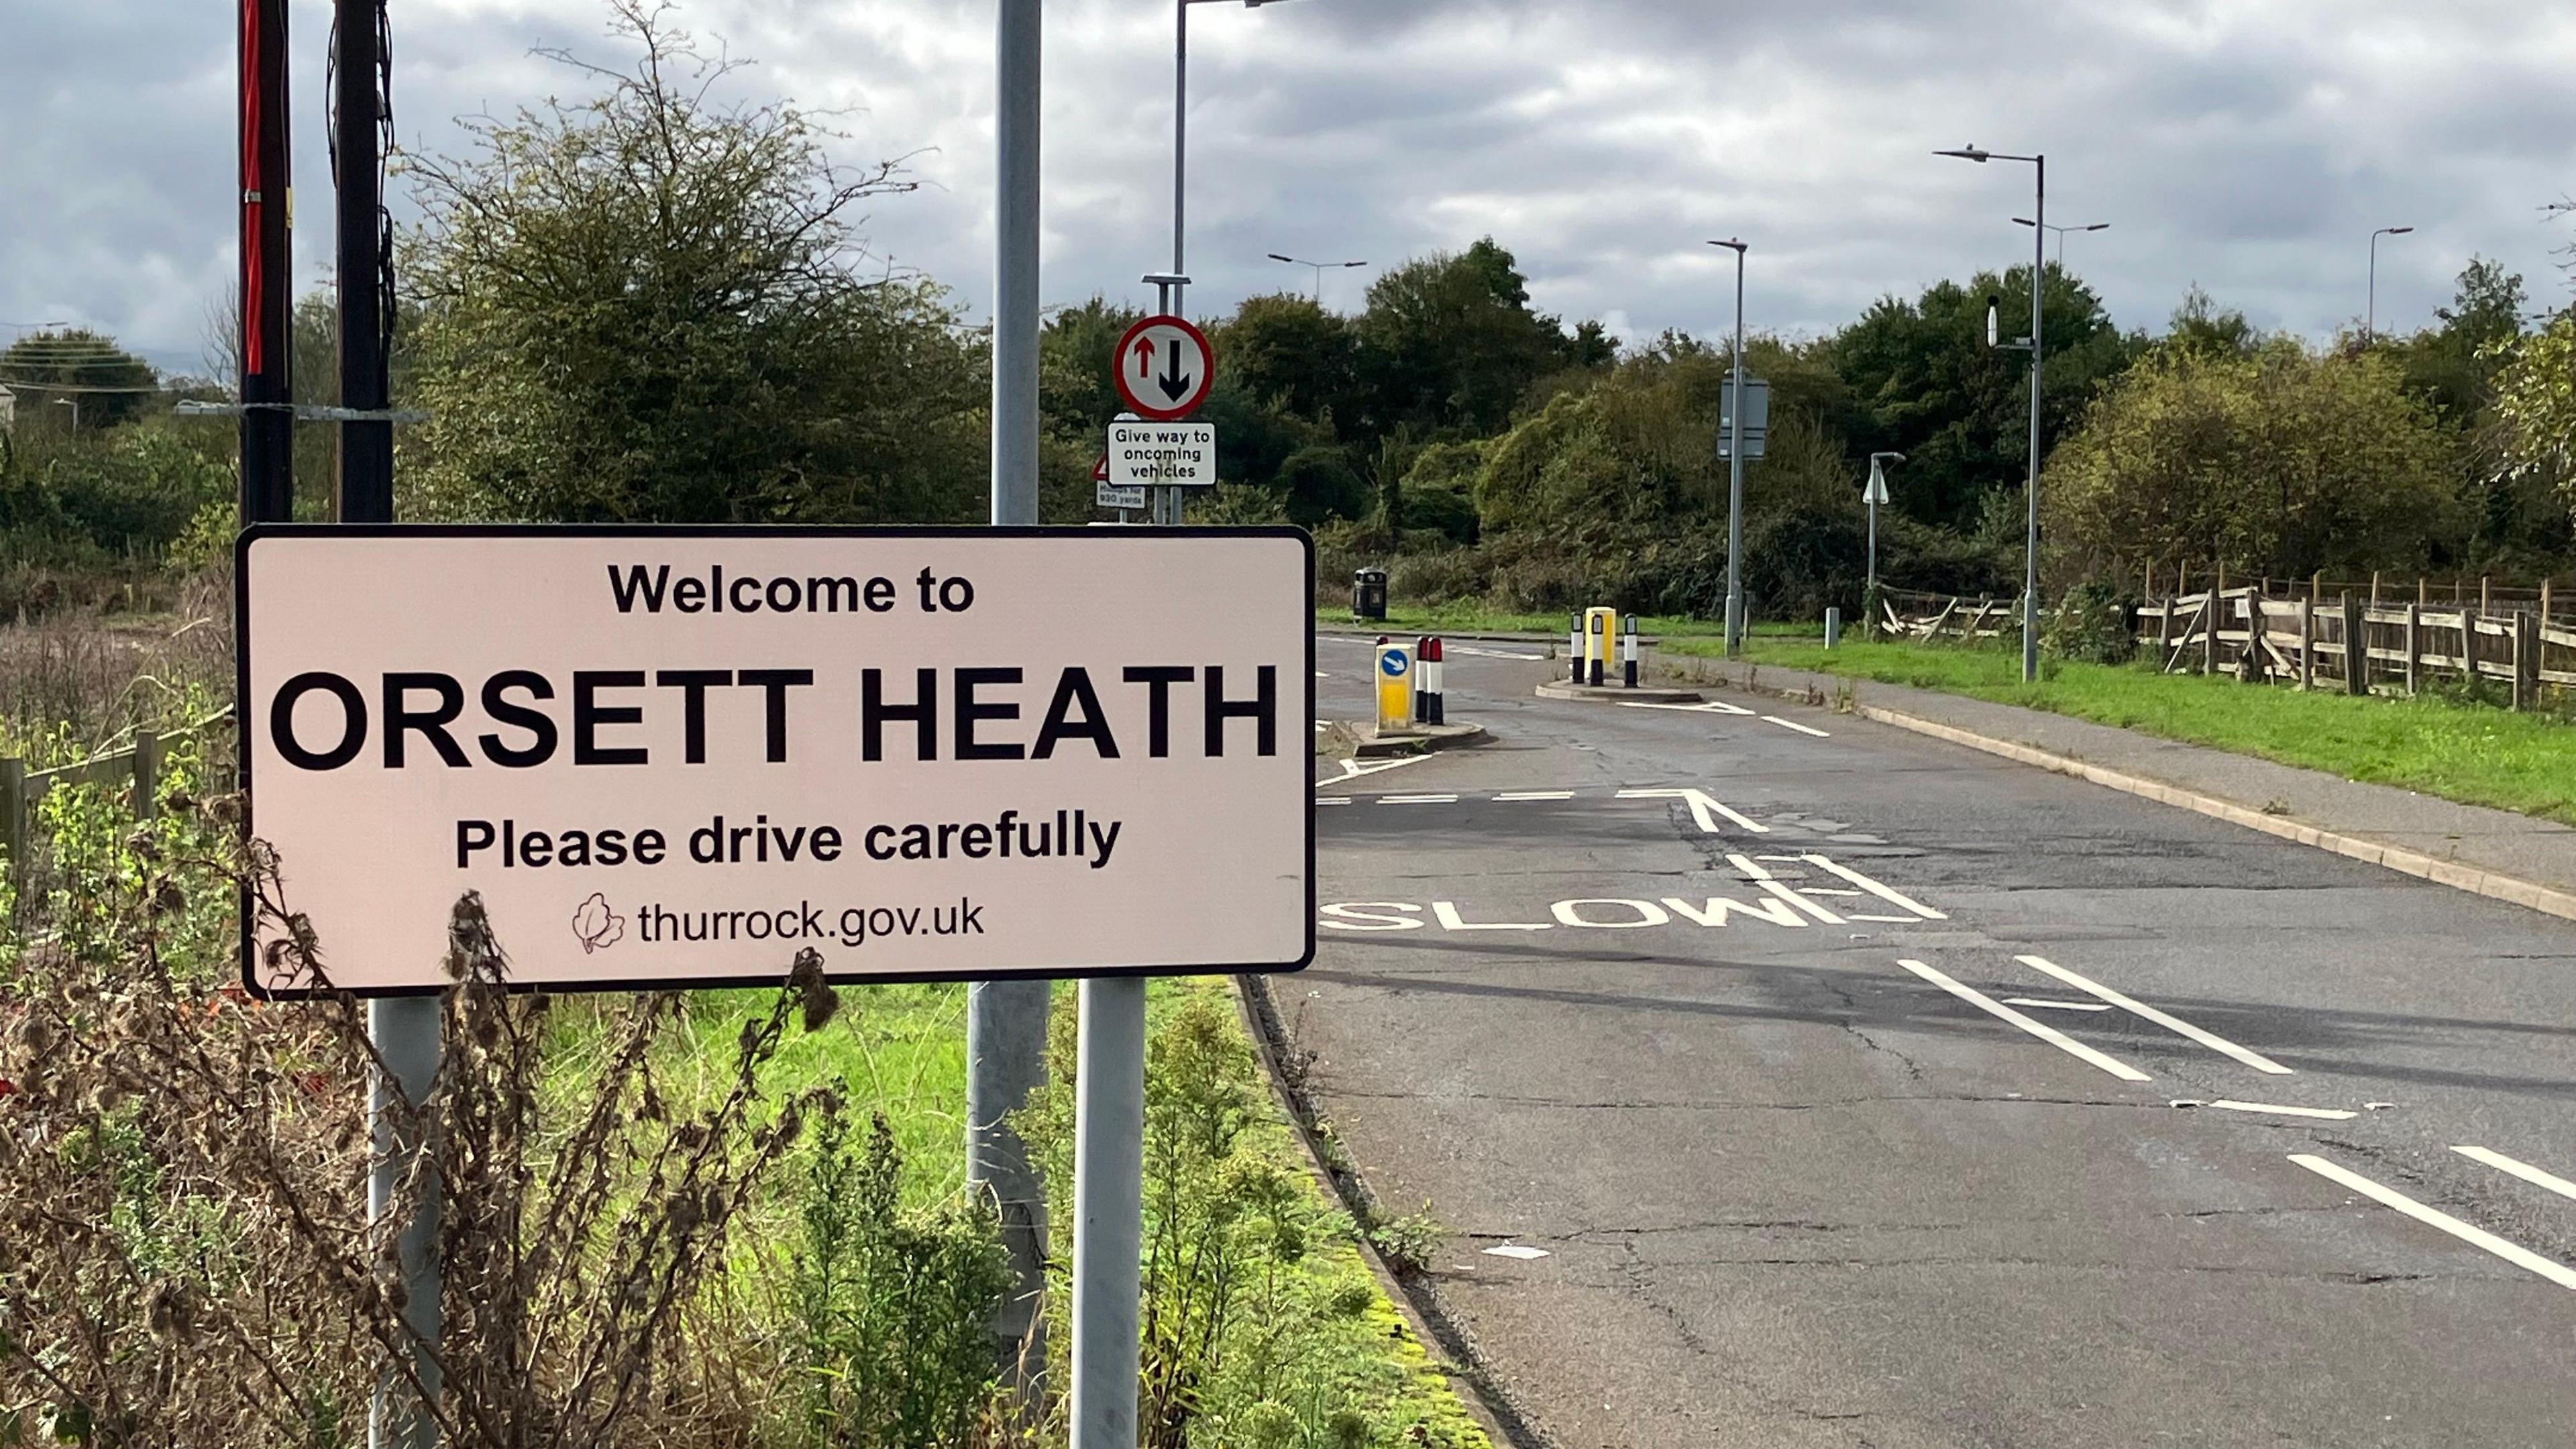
(1006,1020)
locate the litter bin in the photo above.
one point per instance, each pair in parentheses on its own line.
(1368,594)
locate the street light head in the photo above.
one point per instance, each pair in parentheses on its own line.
(1276,257)
(2399,230)
(2024,221)
(1993,321)
(1968,152)
(1890,457)
(2099,226)
(1732,245)
(1355,264)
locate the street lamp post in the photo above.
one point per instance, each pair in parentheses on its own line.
(1735,468)
(1876,490)
(1320,269)
(2038,269)
(2370,316)
(2061,234)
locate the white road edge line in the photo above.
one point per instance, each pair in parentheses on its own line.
(2211,1040)
(1791,724)
(2042,1030)
(2537,1177)
(2514,1253)
(1706,706)
(1884,893)
(2325,1114)
(1332,799)
(1536,795)
(1417,799)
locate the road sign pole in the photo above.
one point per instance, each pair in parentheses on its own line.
(1735,481)
(405,1030)
(1109,1212)
(1006,1021)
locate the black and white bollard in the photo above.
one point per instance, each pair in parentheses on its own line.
(1574,647)
(1628,651)
(1434,712)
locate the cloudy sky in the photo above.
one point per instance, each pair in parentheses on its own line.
(2248,145)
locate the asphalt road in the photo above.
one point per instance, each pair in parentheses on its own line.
(1792,1190)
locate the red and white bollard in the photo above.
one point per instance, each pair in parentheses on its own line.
(1422,680)
(1434,712)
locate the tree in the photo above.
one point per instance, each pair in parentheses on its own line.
(1449,343)
(1926,384)
(2282,462)
(2535,410)
(1285,349)
(650,306)
(101,383)
(2200,326)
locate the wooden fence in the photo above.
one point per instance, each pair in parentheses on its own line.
(2346,643)
(2301,641)
(137,766)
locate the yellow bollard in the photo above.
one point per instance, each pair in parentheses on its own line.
(1600,636)
(1394,688)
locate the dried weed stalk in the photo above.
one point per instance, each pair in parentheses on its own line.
(185,1252)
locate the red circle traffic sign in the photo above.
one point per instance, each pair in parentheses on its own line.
(1164,366)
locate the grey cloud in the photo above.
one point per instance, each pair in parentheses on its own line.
(2249,145)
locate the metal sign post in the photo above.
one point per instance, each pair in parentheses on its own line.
(1006,1021)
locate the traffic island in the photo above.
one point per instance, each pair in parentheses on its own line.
(1616,693)
(1420,739)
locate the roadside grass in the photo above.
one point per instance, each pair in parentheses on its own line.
(900,1049)
(2458,749)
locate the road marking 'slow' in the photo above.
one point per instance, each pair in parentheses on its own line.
(2327,1114)
(1772,884)
(2211,1040)
(1891,896)
(2514,1253)
(2535,1176)
(1536,795)
(1417,799)
(1790,724)
(2042,1030)
(2057,1005)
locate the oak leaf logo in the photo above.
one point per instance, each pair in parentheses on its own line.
(597,925)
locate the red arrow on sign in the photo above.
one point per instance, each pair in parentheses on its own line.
(1144,357)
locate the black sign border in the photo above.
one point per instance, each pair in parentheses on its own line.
(244,723)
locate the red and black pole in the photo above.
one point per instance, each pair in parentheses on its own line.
(267,271)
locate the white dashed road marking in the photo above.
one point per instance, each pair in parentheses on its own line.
(1713,706)
(2537,1177)
(1535,795)
(2211,1040)
(2051,1005)
(1417,799)
(2514,1253)
(1791,724)
(2326,1114)
(2043,1031)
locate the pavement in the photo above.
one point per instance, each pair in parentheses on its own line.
(1785,1077)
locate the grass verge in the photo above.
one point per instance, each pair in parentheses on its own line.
(1342,1368)
(2458,749)
(1476,618)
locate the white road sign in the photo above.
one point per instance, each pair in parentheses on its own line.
(679,756)
(1144,455)
(1163,366)
(1111,495)
(1876,489)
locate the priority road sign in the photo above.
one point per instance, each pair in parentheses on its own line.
(669,758)
(1164,366)
(1181,455)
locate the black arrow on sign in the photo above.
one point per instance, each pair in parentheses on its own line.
(1175,383)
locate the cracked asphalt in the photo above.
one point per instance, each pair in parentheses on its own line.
(1791,1192)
